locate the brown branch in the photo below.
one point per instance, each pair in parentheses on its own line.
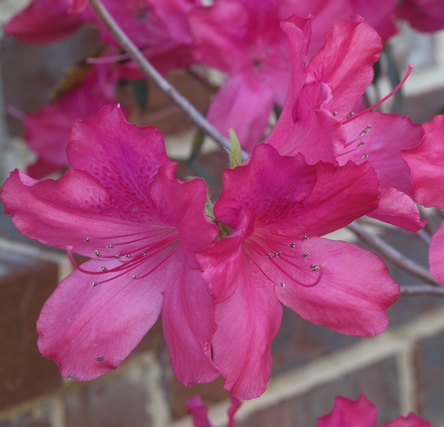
(422,290)
(150,72)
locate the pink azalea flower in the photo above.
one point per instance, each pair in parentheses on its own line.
(423,15)
(199,412)
(121,206)
(278,207)
(426,163)
(242,38)
(47,131)
(362,413)
(317,121)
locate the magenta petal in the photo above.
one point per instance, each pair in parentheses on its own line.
(129,155)
(199,412)
(380,138)
(247,323)
(347,70)
(78,5)
(398,209)
(188,324)
(426,163)
(411,420)
(350,413)
(90,330)
(436,253)
(353,290)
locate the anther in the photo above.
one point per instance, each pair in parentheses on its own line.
(109,246)
(128,255)
(93,284)
(350,115)
(282,285)
(134,210)
(87,239)
(117,256)
(143,253)
(292,245)
(305,255)
(334,114)
(277,254)
(305,237)
(361,144)
(314,267)
(133,276)
(103,268)
(97,253)
(364,156)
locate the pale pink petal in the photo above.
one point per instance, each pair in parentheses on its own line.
(436,255)
(347,70)
(44,21)
(350,413)
(396,208)
(426,163)
(244,104)
(90,330)
(349,291)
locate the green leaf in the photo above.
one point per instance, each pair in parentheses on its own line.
(236,150)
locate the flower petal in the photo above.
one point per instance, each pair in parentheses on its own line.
(436,252)
(411,420)
(352,294)
(247,323)
(350,413)
(90,330)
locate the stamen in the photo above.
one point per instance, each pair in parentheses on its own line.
(407,74)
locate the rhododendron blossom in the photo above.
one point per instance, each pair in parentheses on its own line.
(318,118)
(121,206)
(278,207)
(362,413)
(47,131)
(427,169)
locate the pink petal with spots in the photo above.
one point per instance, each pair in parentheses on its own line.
(344,66)
(348,290)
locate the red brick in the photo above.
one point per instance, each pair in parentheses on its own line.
(25,284)
(378,382)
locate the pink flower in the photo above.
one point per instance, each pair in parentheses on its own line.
(199,412)
(47,131)
(426,163)
(362,413)
(78,5)
(423,15)
(121,206)
(318,120)
(278,207)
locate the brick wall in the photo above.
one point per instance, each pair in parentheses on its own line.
(401,370)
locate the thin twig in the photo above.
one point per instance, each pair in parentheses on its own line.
(393,255)
(422,290)
(150,72)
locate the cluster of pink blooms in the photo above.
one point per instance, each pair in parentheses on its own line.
(219,274)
